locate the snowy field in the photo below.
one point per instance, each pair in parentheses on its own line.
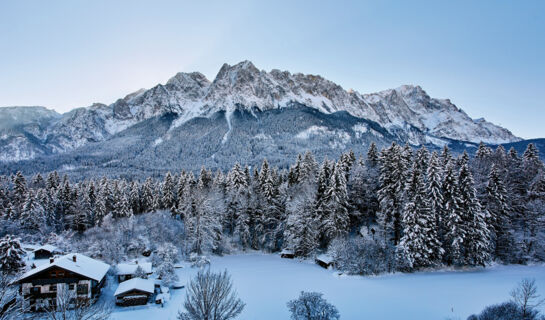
(266,282)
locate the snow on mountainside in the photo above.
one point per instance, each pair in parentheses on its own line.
(407,112)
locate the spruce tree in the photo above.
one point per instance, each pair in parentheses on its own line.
(393,172)
(452,227)
(11,254)
(477,239)
(337,220)
(168,200)
(435,192)
(500,219)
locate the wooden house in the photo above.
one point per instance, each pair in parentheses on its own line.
(127,271)
(133,292)
(46,251)
(81,276)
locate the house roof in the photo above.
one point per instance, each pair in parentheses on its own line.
(84,266)
(139,284)
(286,251)
(47,247)
(325,258)
(130,268)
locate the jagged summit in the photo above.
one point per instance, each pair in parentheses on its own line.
(407,112)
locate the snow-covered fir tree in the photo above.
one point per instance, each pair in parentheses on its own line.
(11,254)
(477,233)
(500,216)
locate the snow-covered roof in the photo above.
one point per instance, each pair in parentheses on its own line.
(130,268)
(84,266)
(286,251)
(325,258)
(140,284)
(48,247)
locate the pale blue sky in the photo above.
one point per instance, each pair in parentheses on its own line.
(488,57)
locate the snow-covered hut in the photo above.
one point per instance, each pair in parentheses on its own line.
(134,292)
(126,271)
(325,261)
(46,251)
(287,253)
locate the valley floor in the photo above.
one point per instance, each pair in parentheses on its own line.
(266,282)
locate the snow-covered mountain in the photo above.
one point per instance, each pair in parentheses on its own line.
(406,113)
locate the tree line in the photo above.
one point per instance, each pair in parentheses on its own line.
(393,209)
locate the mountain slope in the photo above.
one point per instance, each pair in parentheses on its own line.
(406,114)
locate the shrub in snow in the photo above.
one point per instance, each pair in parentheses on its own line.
(11,254)
(523,306)
(140,273)
(165,258)
(199,261)
(362,255)
(502,311)
(311,306)
(211,296)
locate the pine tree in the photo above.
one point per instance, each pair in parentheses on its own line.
(11,254)
(168,199)
(52,182)
(38,181)
(337,220)
(372,155)
(393,171)
(147,196)
(477,240)
(419,247)
(452,228)
(202,227)
(301,232)
(533,235)
(19,192)
(308,168)
(435,193)
(498,207)
(33,214)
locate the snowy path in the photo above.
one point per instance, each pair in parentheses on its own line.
(266,282)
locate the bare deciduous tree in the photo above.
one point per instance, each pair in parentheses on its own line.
(71,308)
(210,296)
(12,305)
(527,298)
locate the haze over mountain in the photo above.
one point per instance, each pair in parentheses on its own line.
(244,114)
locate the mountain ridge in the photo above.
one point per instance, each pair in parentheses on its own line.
(406,112)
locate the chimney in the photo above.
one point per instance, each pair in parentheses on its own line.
(51,260)
(74,258)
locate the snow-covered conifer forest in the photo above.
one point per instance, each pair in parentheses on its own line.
(395,209)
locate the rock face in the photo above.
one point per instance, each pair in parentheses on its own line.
(406,114)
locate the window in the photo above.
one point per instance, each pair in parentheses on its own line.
(35,290)
(53,288)
(71,286)
(83,288)
(60,274)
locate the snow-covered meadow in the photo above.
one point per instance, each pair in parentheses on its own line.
(266,282)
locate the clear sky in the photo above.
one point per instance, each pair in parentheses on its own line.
(488,57)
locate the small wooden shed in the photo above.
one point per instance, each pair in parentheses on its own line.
(287,254)
(134,292)
(325,261)
(46,251)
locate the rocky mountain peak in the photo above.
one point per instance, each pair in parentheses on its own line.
(399,111)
